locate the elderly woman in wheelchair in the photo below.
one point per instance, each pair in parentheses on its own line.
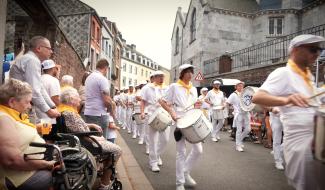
(71,122)
(16,133)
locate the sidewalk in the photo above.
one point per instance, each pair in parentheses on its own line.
(129,171)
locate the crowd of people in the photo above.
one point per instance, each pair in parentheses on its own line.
(34,88)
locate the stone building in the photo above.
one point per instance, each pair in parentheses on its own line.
(28,18)
(136,67)
(223,38)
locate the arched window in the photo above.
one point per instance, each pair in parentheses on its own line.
(193,25)
(177,41)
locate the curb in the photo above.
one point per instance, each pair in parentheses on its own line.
(129,171)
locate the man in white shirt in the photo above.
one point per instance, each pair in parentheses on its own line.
(183,95)
(215,98)
(277,129)
(205,106)
(150,95)
(289,88)
(241,117)
(130,96)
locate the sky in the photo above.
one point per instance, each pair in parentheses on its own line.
(146,23)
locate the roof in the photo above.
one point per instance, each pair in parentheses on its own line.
(247,6)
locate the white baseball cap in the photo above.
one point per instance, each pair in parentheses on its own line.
(203,89)
(155,73)
(185,66)
(216,82)
(239,82)
(48,64)
(304,39)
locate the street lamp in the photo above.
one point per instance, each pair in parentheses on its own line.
(320,59)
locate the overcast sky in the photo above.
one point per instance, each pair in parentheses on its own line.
(146,23)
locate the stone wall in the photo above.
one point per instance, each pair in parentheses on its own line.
(313,17)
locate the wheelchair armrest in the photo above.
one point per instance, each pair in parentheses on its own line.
(86,134)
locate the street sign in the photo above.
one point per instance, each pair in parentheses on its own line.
(199,77)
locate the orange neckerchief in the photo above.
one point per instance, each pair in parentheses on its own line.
(64,107)
(21,118)
(65,87)
(304,74)
(159,85)
(187,87)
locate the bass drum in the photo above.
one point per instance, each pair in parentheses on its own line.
(246,103)
(194,126)
(160,119)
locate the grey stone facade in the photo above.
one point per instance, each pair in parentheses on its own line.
(226,26)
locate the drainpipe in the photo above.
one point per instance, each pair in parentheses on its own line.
(3,13)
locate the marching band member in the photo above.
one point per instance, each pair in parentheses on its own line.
(277,130)
(123,99)
(157,140)
(289,88)
(182,95)
(141,127)
(129,110)
(205,106)
(116,99)
(216,99)
(241,117)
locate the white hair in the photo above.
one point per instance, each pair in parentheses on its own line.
(67,80)
(67,95)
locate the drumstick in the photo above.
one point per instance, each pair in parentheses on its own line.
(315,95)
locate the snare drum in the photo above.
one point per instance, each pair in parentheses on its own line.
(217,112)
(319,135)
(194,126)
(137,118)
(246,103)
(160,119)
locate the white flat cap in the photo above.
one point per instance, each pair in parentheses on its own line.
(304,39)
(203,89)
(239,82)
(216,82)
(185,66)
(157,73)
(48,64)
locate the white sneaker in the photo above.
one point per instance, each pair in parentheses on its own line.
(180,187)
(140,142)
(189,181)
(147,150)
(134,136)
(242,146)
(155,169)
(279,166)
(218,137)
(272,152)
(129,132)
(160,163)
(239,148)
(214,139)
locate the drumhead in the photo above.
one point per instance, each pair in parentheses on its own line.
(217,107)
(154,115)
(189,118)
(246,98)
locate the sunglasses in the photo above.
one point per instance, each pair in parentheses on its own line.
(314,49)
(47,48)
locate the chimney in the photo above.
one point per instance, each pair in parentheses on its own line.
(133,47)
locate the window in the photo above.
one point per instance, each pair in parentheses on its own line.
(127,54)
(276,25)
(142,72)
(124,81)
(110,50)
(97,57)
(92,55)
(135,70)
(193,25)
(130,81)
(133,57)
(103,45)
(130,69)
(138,59)
(143,61)
(98,35)
(93,30)
(146,74)
(124,67)
(135,82)
(118,54)
(177,41)
(106,48)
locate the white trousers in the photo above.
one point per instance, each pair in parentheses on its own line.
(123,118)
(217,125)
(129,121)
(186,163)
(241,121)
(157,144)
(277,129)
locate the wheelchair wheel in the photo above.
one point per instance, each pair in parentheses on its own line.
(117,185)
(91,169)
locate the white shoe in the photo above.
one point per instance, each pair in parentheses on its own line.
(124,128)
(218,137)
(279,166)
(140,142)
(189,181)
(180,187)
(272,152)
(155,169)
(147,150)
(239,148)
(134,136)
(129,132)
(242,146)
(214,139)
(160,163)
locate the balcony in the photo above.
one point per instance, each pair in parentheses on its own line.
(260,55)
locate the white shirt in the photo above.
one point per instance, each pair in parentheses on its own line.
(130,99)
(111,132)
(204,104)
(235,101)
(151,94)
(217,99)
(52,87)
(177,96)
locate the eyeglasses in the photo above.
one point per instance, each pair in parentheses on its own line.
(314,49)
(47,48)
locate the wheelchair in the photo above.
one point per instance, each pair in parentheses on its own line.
(75,166)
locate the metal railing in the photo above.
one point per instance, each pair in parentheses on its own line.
(266,53)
